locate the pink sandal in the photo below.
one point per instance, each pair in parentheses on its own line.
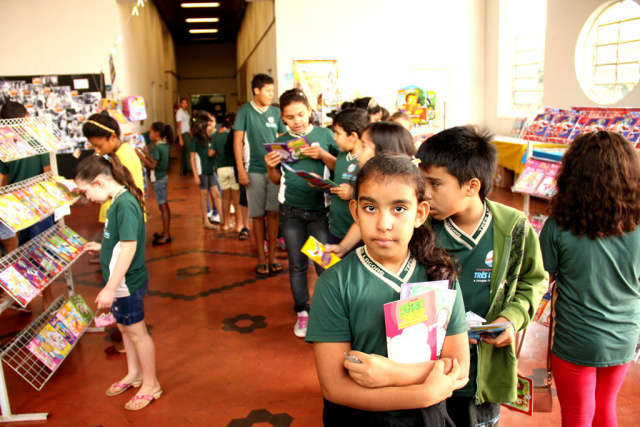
(123,387)
(147,398)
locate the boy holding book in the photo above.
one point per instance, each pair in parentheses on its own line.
(502,276)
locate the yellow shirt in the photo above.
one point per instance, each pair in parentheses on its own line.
(127,155)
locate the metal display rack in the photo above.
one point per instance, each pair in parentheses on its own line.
(39,134)
(43,138)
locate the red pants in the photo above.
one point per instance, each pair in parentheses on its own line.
(587,395)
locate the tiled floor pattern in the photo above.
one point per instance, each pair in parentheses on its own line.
(226,351)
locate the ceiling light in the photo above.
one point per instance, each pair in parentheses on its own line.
(208,4)
(199,20)
(210,30)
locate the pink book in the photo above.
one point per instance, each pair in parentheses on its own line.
(547,187)
(533,173)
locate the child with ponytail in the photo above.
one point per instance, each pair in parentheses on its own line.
(161,136)
(348,316)
(124,273)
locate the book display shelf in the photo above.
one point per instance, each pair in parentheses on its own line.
(37,351)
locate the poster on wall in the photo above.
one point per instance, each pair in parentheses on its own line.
(318,79)
(418,103)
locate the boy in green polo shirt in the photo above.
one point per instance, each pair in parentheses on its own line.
(259,123)
(502,274)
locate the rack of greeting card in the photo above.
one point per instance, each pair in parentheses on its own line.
(36,352)
(30,136)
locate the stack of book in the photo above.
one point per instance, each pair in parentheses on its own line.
(538,179)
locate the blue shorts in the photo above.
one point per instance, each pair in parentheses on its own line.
(130,310)
(160,190)
(208,181)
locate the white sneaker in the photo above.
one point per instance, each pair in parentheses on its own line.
(300,329)
(215,218)
(232,209)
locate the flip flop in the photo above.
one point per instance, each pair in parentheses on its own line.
(244,234)
(158,235)
(161,241)
(146,397)
(123,387)
(264,268)
(275,269)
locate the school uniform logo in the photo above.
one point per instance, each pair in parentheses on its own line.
(271,123)
(106,233)
(489,259)
(351,167)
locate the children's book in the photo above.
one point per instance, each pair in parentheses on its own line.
(445,299)
(58,325)
(311,178)
(31,202)
(15,214)
(31,273)
(53,344)
(289,150)
(524,393)
(44,356)
(595,124)
(561,129)
(17,286)
(547,187)
(42,136)
(55,192)
(46,263)
(476,331)
(533,173)
(318,253)
(71,318)
(61,248)
(46,199)
(81,308)
(18,145)
(623,125)
(410,327)
(538,128)
(73,238)
(543,314)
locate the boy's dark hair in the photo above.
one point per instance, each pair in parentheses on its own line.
(183,99)
(259,81)
(199,128)
(385,114)
(229,120)
(388,136)
(352,120)
(13,110)
(90,130)
(466,152)
(610,166)
(293,95)
(164,130)
(369,104)
(388,166)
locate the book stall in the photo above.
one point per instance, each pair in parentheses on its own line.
(38,350)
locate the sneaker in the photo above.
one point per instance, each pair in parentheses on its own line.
(215,218)
(300,330)
(232,210)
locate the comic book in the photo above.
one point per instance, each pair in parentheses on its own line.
(57,193)
(41,354)
(318,253)
(547,187)
(561,128)
(18,145)
(577,129)
(623,125)
(17,286)
(410,326)
(533,173)
(52,343)
(46,263)
(445,298)
(31,273)
(62,248)
(524,393)
(538,128)
(58,325)
(42,135)
(595,124)
(289,150)
(31,202)
(44,197)
(15,214)
(81,308)
(73,238)
(71,318)
(311,178)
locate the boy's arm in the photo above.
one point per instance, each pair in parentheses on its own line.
(339,388)
(192,159)
(105,298)
(238,140)
(349,241)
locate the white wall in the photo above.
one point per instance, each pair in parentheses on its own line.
(75,37)
(382,46)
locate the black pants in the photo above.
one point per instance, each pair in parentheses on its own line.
(465,413)
(342,416)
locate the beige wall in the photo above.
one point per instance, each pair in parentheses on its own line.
(76,37)
(256,46)
(206,68)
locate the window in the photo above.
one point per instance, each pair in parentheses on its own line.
(607,56)
(522,37)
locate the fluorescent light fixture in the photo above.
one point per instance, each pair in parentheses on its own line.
(203,31)
(199,20)
(208,4)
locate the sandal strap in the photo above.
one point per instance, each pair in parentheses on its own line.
(122,385)
(142,397)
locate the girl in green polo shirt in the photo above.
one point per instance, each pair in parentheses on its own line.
(124,272)
(303,209)
(591,243)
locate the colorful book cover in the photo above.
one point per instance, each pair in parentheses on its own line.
(281,148)
(547,187)
(15,214)
(41,354)
(623,125)
(596,124)
(43,136)
(18,145)
(539,126)
(543,314)
(311,178)
(81,308)
(55,192)
(292,148)
(561,128)
(318,253)
(445,299)
(53,344)
(46,199)
(410,327)
(72,237)
(533,173)
(31,273)
(27,199)
(634,133)
(61,248)
(47,263)
(72,320)
(494,329)
(17,286)
(58,325)
(524,393)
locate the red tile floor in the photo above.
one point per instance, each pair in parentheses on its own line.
(226,351)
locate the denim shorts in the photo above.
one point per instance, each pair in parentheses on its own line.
(208,181)
(160,189)
(130,310)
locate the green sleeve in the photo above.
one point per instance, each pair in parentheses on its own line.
(241,120)
(532,283)
(128,222)
(329,319)
(155,153)
(281,127)
(458,320)
(549,245)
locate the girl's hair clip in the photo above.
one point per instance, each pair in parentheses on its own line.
(415,161)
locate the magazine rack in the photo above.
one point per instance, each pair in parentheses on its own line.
(15,354)
(39,136)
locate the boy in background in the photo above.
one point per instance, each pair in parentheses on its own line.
(258,123)
(502,275)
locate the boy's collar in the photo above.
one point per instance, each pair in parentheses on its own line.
(260,110)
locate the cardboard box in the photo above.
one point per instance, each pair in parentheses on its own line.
(503,178)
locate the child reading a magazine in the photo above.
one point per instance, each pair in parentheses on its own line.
(348,315)
(303,208)
(591,243)
(124,273)
(161,136)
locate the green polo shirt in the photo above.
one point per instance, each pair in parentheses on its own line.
(295,191)
(474,254)
(219,142)
(19,170)
(260,127)
(124,223)
(345,172)
(207,164)
(160,153)
(598,304)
